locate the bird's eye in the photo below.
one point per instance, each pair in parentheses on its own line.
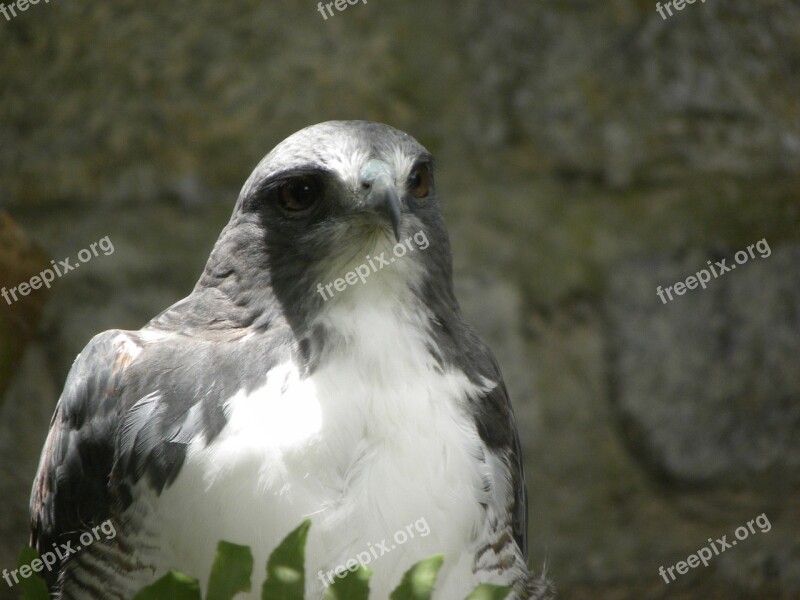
(299,194)
(419,182)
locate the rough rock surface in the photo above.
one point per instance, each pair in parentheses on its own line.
(722,407)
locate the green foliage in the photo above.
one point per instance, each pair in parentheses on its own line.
(233,567)
(488,591)
(173,585)
(418,582)
(33,588)
(231,572)
(353,586)
(286,567)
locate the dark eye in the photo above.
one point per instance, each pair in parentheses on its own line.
(299,194)
(419,182)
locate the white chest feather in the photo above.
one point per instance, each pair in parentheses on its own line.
(377,441)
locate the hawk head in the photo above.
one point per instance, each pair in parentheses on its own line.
(333,207)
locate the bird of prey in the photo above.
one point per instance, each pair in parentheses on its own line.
(257,402)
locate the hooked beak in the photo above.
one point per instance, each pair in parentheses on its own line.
(376,178)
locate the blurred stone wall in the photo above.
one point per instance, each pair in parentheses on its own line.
(20,259)
(588,153)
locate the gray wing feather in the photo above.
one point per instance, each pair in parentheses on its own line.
(70,491)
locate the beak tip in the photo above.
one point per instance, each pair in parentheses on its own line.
(388,204)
